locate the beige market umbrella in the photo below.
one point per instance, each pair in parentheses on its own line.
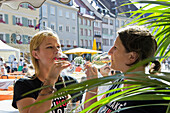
(80,51)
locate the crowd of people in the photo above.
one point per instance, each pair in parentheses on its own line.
(129,48)
(14,66)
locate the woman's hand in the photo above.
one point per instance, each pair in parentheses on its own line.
(91,72)
(56,69)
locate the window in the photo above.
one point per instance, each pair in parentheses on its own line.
(105,31)
(82,10)
(73,16)
(67,15)
(60,13)
(81,31)
(44,24)
(67,42)
(60,28)
(117,23)
(74,42)
(81,42)
(1,36)
(53,27)
(90,43)
(88,22)
(79,20)
(97,32)
(1,17)
(30,22)
(18,20)
(89,33)
(111,22)
(86,33)
(111,42)
(44,11)
(74,29)
(99,24)
(106,42)
(96,24)
(62,42)
(84,21)
(29,39)
(52,10)
(105,20)
(67,28)
(86,43)
(111,31)
(122,23)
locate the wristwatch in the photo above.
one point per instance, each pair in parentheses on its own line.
(65,1)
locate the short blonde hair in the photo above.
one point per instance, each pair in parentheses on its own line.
(36,41)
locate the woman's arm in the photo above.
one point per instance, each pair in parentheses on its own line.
(91,74)
(45,93)
(39,108)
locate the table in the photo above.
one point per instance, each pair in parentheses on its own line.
(5,83)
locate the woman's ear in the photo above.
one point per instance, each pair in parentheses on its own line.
(35,55)
(133,56)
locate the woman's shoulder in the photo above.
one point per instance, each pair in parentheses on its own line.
(30,82)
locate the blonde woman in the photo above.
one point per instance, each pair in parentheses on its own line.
(44,48)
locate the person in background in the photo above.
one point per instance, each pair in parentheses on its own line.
(1,62)
(133,44)
(25,68)
(20,65)
(3,72)
(7,68)
(72,62)
(105,70)
(14,65)
(44,48)
(78,68)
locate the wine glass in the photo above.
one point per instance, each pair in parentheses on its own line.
(101,60)
(61,56)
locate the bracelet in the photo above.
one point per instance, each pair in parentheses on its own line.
(52,90)
(92,92)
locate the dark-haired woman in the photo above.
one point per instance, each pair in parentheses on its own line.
(133,44)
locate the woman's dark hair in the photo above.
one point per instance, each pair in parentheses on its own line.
(140,40)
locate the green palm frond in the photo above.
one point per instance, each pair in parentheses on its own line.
(159,19)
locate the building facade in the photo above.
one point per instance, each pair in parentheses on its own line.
(18,26)
(62,19)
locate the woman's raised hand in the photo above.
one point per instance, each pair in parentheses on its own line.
(56,69)
(91,71)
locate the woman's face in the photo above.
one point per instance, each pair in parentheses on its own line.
(105,70)
(119,56)
(47,51)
